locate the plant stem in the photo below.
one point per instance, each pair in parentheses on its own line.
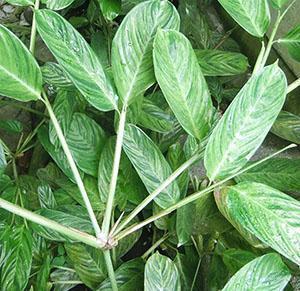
(154,246)
(114,175)
(193,197)
(110,270)
(259,59)
(293,86)
(73,167)
(33,28)
(68,231)
(157,191)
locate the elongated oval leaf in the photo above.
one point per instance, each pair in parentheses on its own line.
(58,4)
(20,76)
(88,262)
(264,273)
(270,215)
(132,46)
(253,16)
(86,140)
(129,277)
(66,217)
(181,80)
(77,59)
(292,42)
(21,2)
(245,123)
(161,274)
(287,126)
(16,258)
(221,63)
(150,164)
(281,174)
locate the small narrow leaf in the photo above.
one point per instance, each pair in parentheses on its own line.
(150,164)
(287,126)
(161,274)
(110,8)
(292,42)
(245,123)
(132,63)
(221,63)
(182,82)
(281,174)
(77,59)
(268,214)
(253,16)
(20,76)
(264,273)
(16,258)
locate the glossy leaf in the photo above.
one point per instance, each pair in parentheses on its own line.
(221,63)
(270,215)
(287,126)
(21,2)
(16,258)
(129,277)
(264,273)
(88,262)
(67,279)
(12,126)
(279,3)
(281,174)
(154,118)
(245,123)
(86,140)
(58,4)
(132,63)
(77,59)
(46,197)
(53,74)
(161,274)
(253,16)
(79,220)
(150,164)
(181,80)
(20,76)
(110,8)
(292,42)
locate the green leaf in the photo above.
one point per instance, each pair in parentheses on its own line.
(53,74)
(221,63)
(292,42)
(154,118)
(279,3)
(129,277)
(20,76)
(245,123)
(253,16)
(132,62)
(150,164)
(287,126)
(281,174)
(58,4)
(43,274)
(264,273)
(161,274)
(64,279)
(77,59)
(110,8)
(86,140)
(13,126)
(270,215)
(77,219)
(3,162)
(16,258)
(56,154)
(21,2)
(88,262)
(46,197)
(234,259)
(181,80)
